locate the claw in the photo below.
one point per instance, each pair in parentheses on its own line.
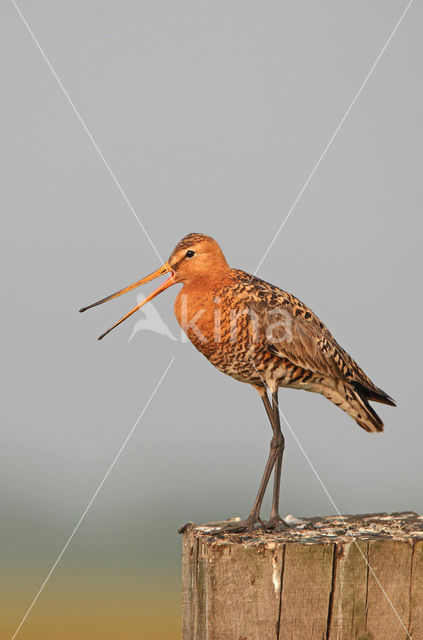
(277,523)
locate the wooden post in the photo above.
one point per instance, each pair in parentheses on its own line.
(350,578)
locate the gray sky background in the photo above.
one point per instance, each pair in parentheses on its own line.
(212,116)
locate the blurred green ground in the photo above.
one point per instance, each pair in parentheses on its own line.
(77,608)
(117,578)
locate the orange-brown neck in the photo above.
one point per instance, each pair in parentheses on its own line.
(197,301)
(206,280)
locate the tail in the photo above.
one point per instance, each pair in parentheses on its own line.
(354,399)
(367,418)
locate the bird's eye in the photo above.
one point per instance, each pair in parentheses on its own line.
(189,254)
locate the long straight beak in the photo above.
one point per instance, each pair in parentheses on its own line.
(165,285)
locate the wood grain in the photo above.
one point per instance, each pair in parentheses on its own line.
(388,593)
(348,612)
(415,627)
(307,583)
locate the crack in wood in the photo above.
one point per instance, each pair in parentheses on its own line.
(332,590)
(367,560)
(278,625)
(410,591)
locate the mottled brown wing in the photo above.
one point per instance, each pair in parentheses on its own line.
(294,332)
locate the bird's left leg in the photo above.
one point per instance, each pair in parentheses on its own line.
(254,516)
(275,519)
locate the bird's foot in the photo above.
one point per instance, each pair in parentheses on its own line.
(236,526)
(276,523)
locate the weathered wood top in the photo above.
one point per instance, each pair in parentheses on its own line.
(401,525)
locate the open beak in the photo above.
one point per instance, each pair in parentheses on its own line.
(165,285)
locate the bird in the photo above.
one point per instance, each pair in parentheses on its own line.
(264,336)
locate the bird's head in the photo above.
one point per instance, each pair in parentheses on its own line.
(195,257)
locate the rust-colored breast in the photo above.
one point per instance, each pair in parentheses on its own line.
(215,315)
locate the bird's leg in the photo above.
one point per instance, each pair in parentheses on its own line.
(274,453)
(255,511)
(254,516)
(275,519)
